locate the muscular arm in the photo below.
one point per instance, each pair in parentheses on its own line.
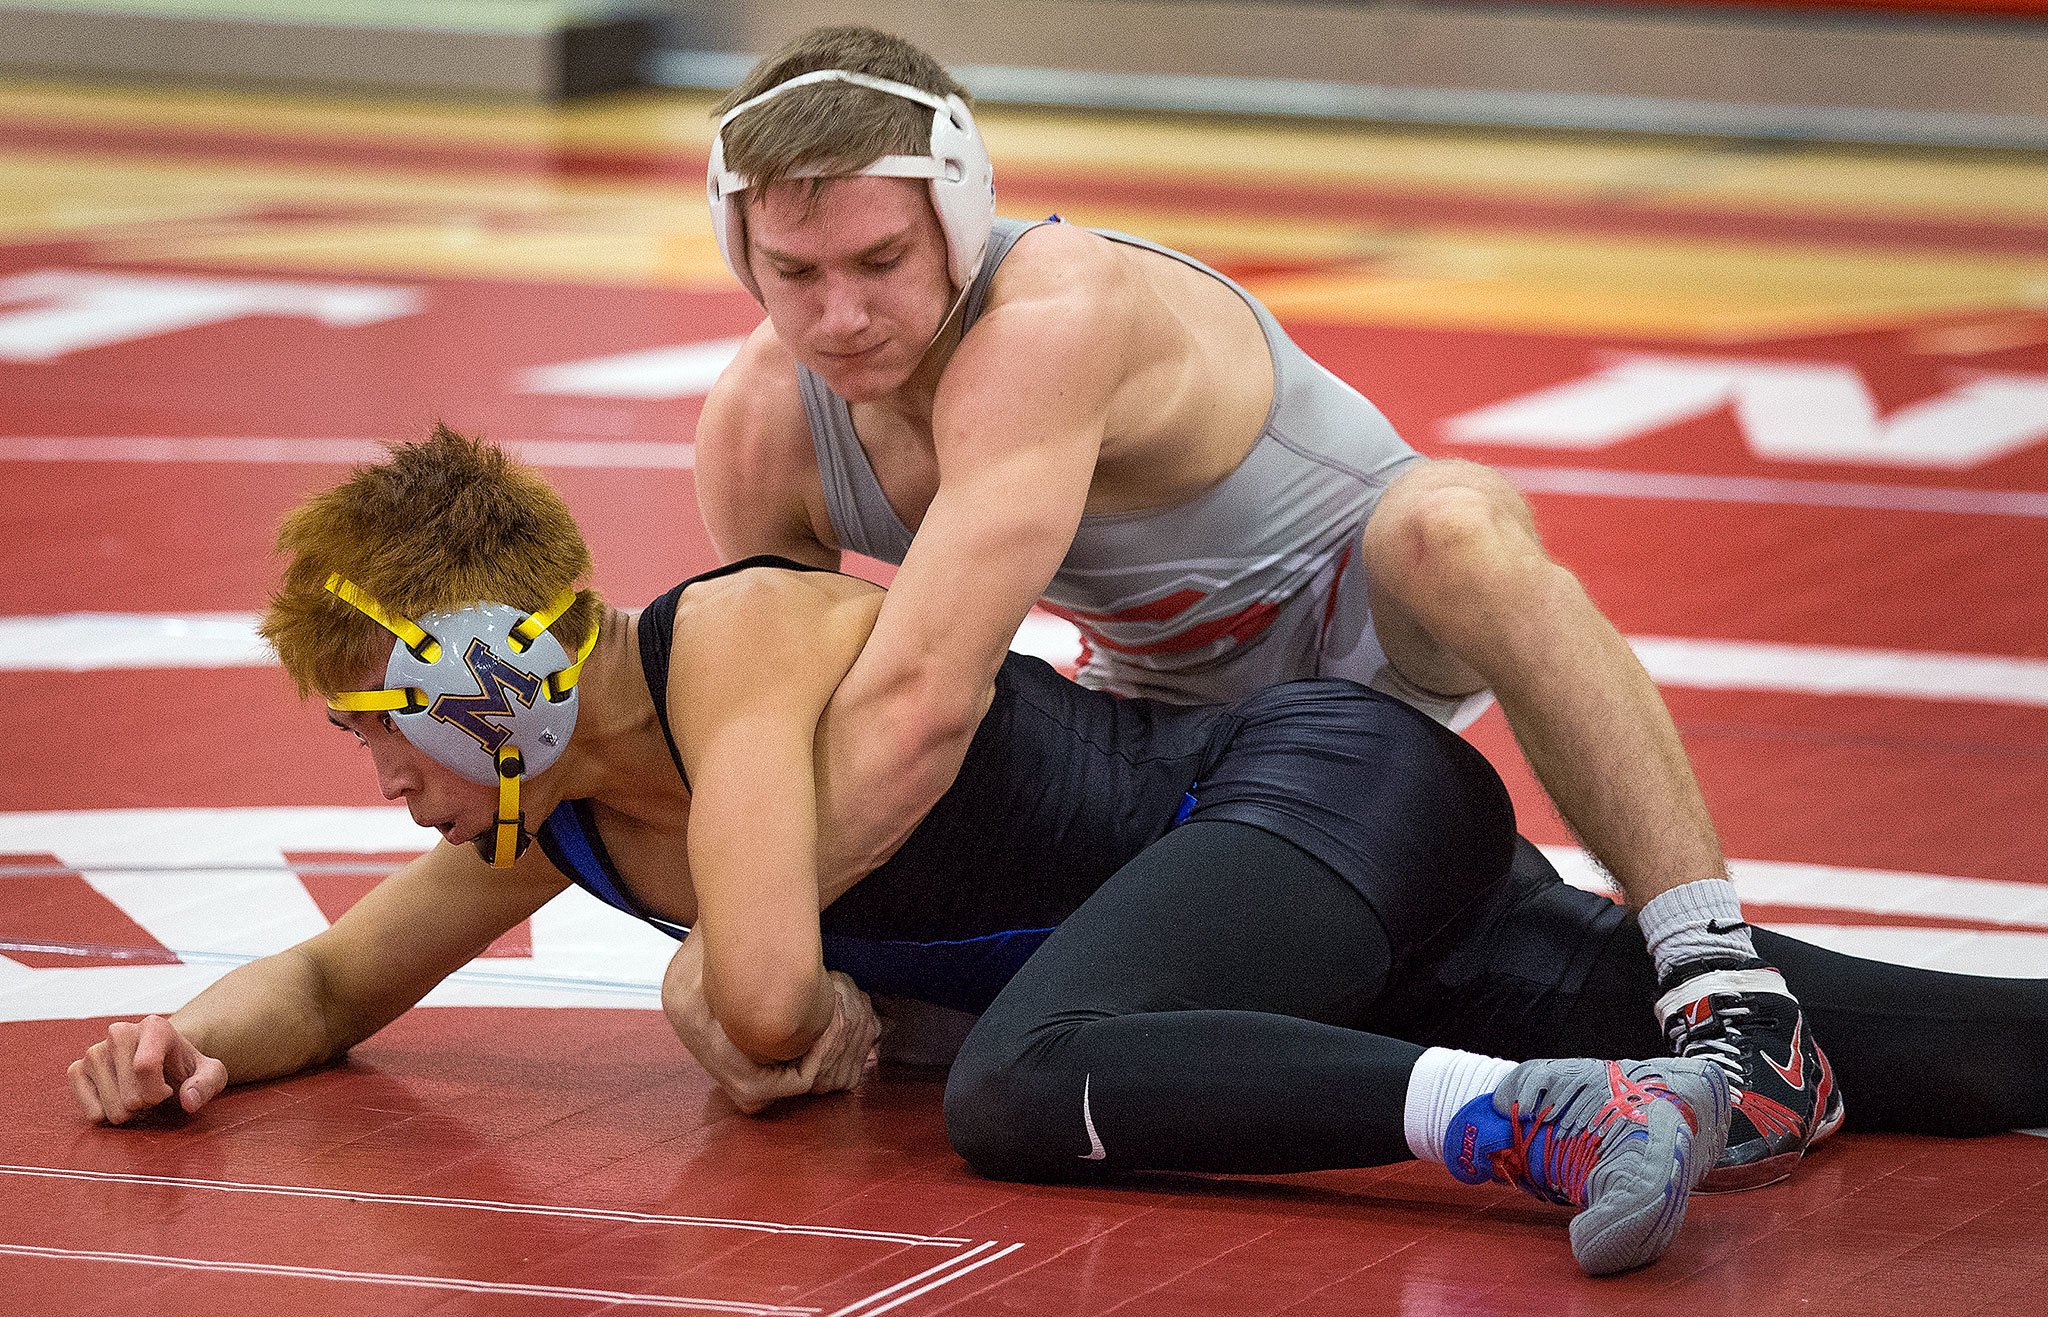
(312,1002)
(755,469)
(1018,426)
(749,678)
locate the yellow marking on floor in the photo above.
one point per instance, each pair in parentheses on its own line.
(1688,174)
(394,219)
(1690,290)
(638,120)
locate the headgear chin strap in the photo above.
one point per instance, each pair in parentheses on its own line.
(963,181)
(486,691)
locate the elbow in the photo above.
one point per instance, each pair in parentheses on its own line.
(906,717)
(776,1025)
(942,724)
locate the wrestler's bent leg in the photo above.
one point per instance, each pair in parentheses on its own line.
(1191,1016)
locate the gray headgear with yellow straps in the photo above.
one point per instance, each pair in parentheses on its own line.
(485,690)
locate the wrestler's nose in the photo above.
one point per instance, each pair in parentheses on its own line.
(396,775)
(845,311)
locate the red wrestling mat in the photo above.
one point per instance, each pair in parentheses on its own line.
(1816,496)
(572,1162)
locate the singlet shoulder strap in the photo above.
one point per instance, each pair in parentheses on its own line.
(1000,239)
(658,636)
(572,842)
(855,503)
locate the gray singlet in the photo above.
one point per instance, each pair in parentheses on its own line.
(1252,582)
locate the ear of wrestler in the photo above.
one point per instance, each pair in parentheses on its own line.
(142,1065)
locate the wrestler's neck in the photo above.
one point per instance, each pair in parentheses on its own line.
(617,754)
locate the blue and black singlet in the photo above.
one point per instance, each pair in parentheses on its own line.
(1062,785)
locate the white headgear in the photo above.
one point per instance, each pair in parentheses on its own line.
(486,691)
(963,182)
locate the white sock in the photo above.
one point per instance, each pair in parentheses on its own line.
(1444,1080)
(1695,921)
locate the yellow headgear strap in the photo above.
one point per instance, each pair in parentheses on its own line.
(428,649)
(424,647)
(528,629)
(508,825)
(564,681)
(505,845)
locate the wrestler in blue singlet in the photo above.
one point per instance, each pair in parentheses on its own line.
(1304,888)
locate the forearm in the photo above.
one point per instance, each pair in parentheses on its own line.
(268,1018)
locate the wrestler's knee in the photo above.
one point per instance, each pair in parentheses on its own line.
(1001,1096)
(1452,529)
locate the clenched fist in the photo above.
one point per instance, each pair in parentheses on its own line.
(140,1065)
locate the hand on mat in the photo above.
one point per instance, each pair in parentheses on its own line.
(140,1065)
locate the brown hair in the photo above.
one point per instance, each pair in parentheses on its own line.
(438,525)
(832,127)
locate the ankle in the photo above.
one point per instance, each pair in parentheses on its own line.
(1693,922)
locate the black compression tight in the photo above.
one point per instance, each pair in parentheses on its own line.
(1215,1001)
(1200,999)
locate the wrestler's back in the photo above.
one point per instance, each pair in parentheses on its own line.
(1059,788)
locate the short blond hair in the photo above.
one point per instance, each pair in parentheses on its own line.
(438,525)
(832,128)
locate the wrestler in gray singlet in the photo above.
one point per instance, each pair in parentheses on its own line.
(1255,581)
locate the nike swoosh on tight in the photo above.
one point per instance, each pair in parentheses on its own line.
(1095,1152)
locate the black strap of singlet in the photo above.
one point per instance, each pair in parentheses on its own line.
(658,631)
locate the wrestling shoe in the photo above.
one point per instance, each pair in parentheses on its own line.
(1622,1141)
(1741,1017)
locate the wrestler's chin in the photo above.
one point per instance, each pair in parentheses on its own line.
(868,377)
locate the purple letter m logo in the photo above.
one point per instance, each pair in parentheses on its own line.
(496,683)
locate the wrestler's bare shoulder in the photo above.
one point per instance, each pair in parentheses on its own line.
(817,607)
(755,403)
(1066,263)
(758,488)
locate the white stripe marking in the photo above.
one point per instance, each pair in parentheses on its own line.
(559,453)
(409,1281)
(1680,487)
(1735,665)
(2016,953)
(954,1268)
(491,1205)
(1800,411)
(687,371)
(1841,670)
(586,953)
(94,642)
